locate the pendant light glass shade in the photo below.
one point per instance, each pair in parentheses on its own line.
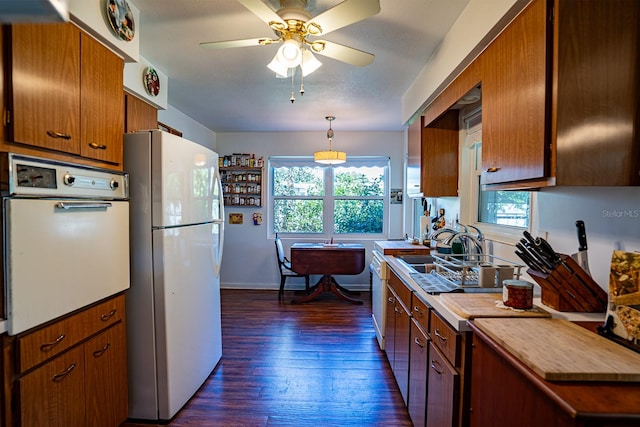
(330,157)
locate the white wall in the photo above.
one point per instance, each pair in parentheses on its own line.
(249,259)
(191,129)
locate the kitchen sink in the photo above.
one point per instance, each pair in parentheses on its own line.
(416,259)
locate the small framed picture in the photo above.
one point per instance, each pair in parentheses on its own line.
(396,196)
(235,218)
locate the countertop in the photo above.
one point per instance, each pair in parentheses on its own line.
(460,323)
(395,245)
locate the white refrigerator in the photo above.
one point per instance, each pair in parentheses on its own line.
(174,337)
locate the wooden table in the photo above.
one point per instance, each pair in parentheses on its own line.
(327,260)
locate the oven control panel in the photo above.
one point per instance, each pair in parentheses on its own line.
(36,177)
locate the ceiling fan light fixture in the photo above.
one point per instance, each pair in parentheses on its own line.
(309,63)
(290,53)
(330,157)
(277,67)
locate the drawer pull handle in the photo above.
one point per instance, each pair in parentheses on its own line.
(48,346)
(97,146)
(493,169)
(100,352)
(442,337)
(397,310)
(418,342)
(58,135)
(417,309)
(106,317)
(391,300)
(436,367)
(59,377)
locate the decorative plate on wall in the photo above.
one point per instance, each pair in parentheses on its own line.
(121,19)
(150,81)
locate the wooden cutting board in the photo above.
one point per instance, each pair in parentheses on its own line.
(473,306)
(559,350)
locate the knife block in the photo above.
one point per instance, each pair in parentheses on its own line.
(569,288)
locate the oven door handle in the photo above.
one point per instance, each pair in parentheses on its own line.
(83,205)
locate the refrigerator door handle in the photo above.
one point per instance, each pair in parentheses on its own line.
(219,221)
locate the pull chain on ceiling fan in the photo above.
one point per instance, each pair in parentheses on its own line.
(296,29)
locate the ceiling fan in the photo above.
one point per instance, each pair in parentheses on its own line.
(298,30)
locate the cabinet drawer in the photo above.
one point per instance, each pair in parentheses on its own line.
(420,312)
(42,344)
(47,342)
(445,338)
(103,315)
(401,290)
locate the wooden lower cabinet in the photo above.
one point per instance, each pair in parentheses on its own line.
(53,395)
(418,365)
(82,383)
(106,394)
(444,391)
(397,340)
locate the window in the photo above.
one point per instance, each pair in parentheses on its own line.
(346,199)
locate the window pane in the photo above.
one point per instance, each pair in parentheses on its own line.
(298,181)
(363,181)
(358,216)
(297,216)
(504,208)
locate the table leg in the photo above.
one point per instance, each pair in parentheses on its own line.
(326,284)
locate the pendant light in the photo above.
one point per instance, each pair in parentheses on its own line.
(330,157)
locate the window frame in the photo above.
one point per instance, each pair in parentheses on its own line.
(329,198)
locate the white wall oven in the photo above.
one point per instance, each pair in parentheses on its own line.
(65,238)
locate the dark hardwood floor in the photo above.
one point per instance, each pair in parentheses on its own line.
(316,364)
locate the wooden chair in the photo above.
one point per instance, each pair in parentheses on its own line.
(284,266)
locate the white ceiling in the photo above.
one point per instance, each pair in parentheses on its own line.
(231,90)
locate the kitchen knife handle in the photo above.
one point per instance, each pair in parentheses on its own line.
(582,235)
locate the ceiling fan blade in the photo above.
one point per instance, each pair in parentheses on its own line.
(345,13)
(226,44)
(345,54)
(262,11)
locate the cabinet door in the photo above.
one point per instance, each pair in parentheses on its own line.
(439,171)
(443,395)
(419,358)
(106,376)
(102,122)
(53,395)
(45,66)
(515,124)
(401,350)
(139,115)
(390,325)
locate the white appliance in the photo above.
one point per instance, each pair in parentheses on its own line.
(174,337)
(66,238)
(378,294)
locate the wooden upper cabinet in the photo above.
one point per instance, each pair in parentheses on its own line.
(139,115)
(65,94)
(514,75)
(560,89)
(102,118)
(45,82)
(596,112)
(440,142)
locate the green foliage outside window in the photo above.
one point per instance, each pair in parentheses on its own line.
(300,202)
